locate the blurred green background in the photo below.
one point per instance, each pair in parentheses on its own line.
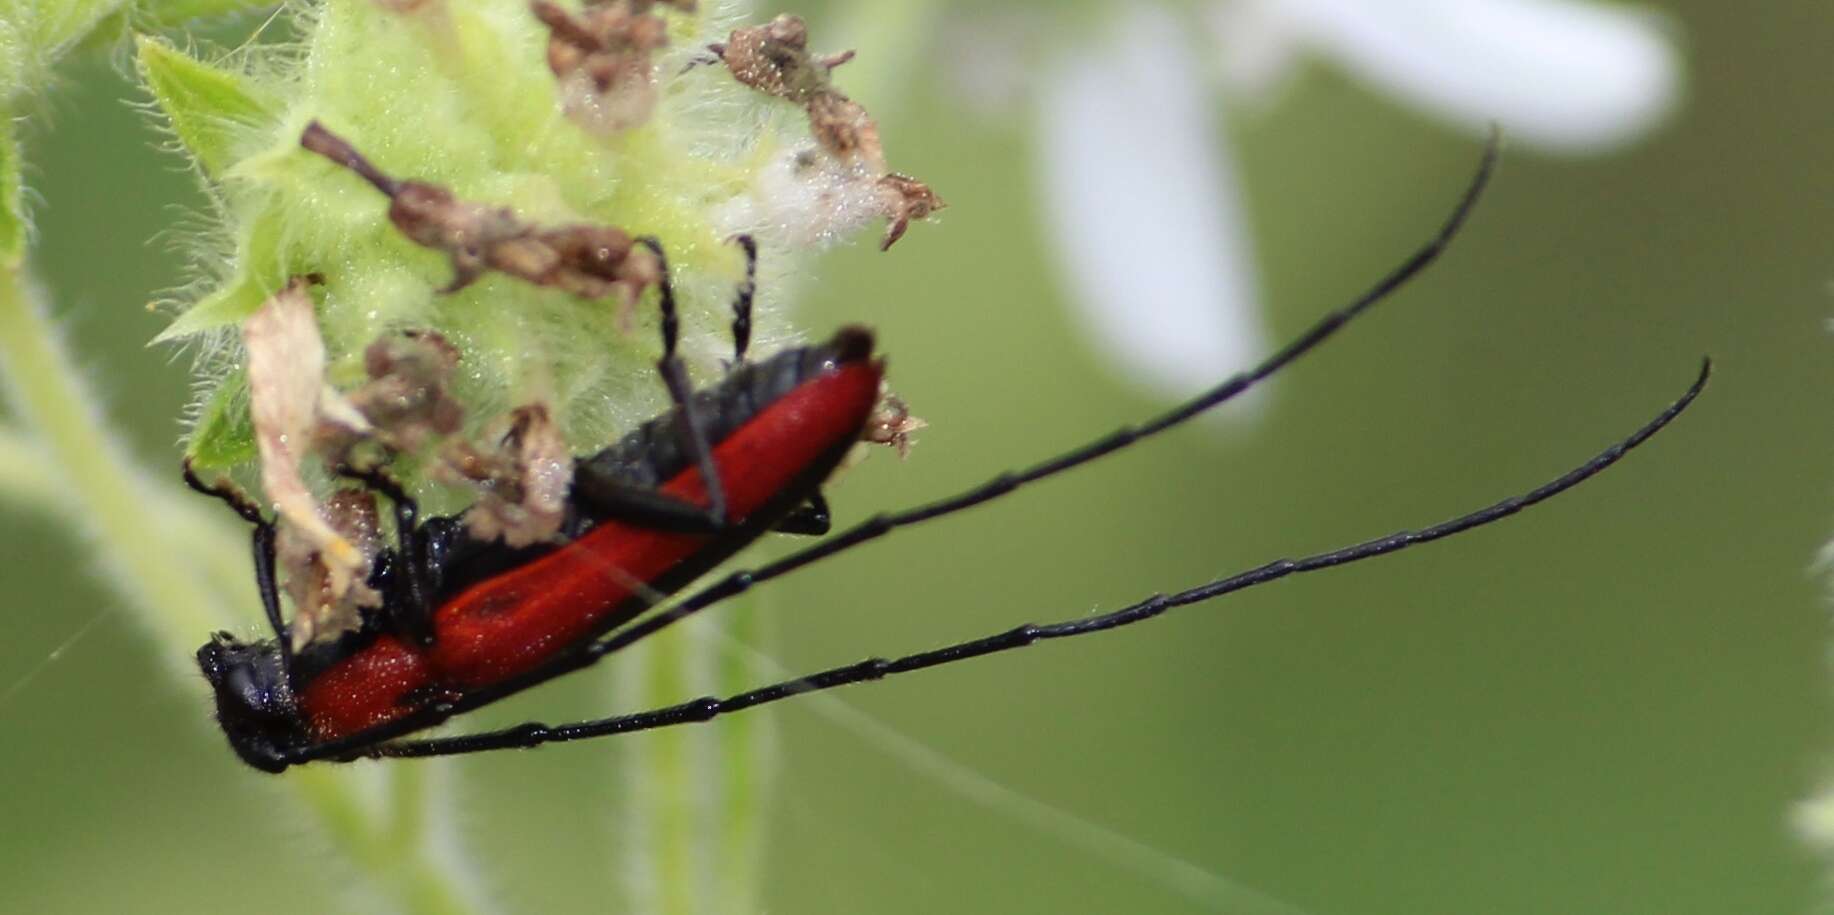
(1608,705)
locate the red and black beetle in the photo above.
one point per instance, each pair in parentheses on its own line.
(465,623)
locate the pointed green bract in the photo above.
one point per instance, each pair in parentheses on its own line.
(258,275)
(211,110)
(225,308)
(224,435)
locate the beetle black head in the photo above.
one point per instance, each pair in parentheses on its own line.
(254,702)
(852,343)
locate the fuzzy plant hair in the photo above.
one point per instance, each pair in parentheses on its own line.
(499,104)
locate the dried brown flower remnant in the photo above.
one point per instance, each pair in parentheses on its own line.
(604,59)
(843,128)
(590,261)
(289,402)
(904,200)
(323,608)
(892,424)
(774,59)
(523,480)
(408,398)
(404,406)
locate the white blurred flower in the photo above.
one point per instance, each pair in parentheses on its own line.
(1564,75)
(1143,208)
(1139,194)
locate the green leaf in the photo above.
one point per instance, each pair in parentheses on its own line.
(209,108)
(12,202)
(225,433)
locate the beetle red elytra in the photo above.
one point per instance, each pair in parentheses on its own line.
(465,622)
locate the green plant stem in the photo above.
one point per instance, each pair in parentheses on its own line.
(109,495)
(748,761)
(395,860)
(693,813)
(25,477)
(27,480)
(671,766)
(146,542)
(408,810)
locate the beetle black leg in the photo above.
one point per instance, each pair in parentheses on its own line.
(742,300)
(261,544)
(609,499)
(412,612)
(708,707)
(688,425)
(225,492)
(267,582)
(811,520)
(605,499)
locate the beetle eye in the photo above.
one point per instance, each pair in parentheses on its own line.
(251,690)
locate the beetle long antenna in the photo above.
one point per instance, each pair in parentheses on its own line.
(882,524)
(708,707)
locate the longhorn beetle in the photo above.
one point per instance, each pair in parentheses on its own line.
(465,622)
